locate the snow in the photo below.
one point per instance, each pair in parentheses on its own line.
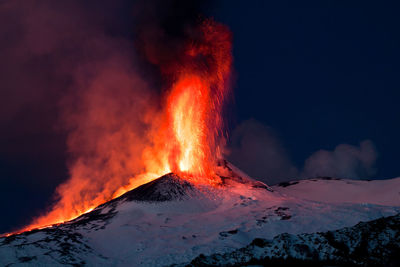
(216,220)
(373,243)
(379,192)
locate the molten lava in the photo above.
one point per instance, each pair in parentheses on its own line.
(186,137)
(190,138)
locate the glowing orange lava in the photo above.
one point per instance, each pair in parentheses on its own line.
(186,137)
(191,137)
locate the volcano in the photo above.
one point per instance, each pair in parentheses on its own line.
(171,221)
(166,188)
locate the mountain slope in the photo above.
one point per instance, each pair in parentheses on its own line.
(166,188)
(171,221)
(374,243)
(333,190)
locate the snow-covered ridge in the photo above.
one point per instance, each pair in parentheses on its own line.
(333,190)
(171,221)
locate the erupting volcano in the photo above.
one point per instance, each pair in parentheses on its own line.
(139,93)
(186,136)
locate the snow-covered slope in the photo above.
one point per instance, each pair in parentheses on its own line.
(170,221)
(332,190)
(374,243)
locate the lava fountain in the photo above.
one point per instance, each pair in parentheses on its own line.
(187,135)
(191,137)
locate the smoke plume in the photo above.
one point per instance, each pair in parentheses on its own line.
(345,161)
(258,151)
(78,68)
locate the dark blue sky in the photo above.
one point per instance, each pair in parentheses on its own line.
(318,75)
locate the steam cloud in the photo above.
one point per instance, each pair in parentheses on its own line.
(256,149)
(345,161)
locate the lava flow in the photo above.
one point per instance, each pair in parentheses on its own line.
(186,138)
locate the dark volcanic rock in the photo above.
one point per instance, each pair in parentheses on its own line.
(286,184)
(166,188)
(374,243)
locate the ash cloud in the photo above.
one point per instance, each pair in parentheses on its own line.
(257,150)
(80,71)
(41,45)
(162,27)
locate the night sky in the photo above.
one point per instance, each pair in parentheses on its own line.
(315,85)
